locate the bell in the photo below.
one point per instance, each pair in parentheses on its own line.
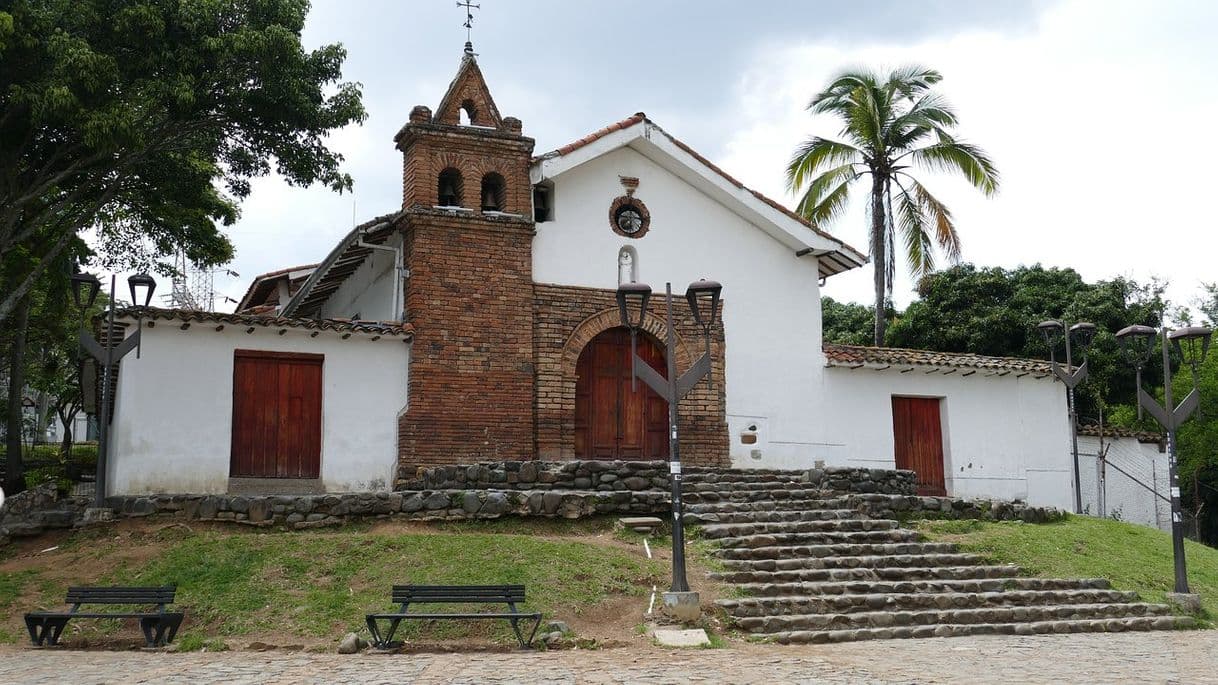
(488,199)
(448,195)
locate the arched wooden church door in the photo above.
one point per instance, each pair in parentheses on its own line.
(611,420)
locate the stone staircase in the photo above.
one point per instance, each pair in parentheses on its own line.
(813,569)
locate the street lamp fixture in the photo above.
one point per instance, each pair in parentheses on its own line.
(703,299)
(107,353)
(141,284)
(84,290)
(1191,344)
(1079,335)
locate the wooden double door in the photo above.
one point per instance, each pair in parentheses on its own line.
(276,415)
(612,420)
(917,429)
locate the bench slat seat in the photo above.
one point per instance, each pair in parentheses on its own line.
(405,595)
(159,625)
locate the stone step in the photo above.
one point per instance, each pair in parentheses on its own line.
(764,505)
(769,516)
(838,550)
(1109,625)
(930,586)
(862,562)
(819,538)
(780,605)
(726,530)
(729,495)
(894,574)
(987,615)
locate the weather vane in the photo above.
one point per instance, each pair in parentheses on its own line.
(469,23)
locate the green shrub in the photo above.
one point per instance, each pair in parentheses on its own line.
(48,474)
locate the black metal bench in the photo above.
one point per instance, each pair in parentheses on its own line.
(158,625)
(405,595)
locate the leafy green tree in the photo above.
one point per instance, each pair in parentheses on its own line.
(891,124)
(1208,301)
(845,323)
(145,121)
(994,311)
(1198,447)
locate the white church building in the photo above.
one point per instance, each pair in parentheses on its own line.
(477,322)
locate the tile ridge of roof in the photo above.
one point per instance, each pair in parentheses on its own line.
(916,350)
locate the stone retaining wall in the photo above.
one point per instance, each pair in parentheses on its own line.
(618,476)
(919,507)
(37,509)
(602,476)
(850,479)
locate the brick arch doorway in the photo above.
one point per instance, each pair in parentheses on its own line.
(612,421)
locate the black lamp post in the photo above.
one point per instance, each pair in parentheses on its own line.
(1082,334)
(84,294)
(1191,344)
(703,299)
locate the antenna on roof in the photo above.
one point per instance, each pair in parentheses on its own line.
(469,24)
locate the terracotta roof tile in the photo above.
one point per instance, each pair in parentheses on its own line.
(1119,432)
(395,329)
(855,355)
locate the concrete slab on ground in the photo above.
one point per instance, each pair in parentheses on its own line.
(681,638)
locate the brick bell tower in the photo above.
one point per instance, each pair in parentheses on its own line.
(468,234)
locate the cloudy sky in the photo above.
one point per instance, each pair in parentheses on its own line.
(1095,111)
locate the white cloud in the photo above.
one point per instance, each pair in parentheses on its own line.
(1090,119)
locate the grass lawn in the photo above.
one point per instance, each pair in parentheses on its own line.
(1133,557)
(311,587)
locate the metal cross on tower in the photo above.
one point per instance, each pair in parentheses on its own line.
(469,23)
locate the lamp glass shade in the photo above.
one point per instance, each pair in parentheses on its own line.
(1137,342)
(1082,334)
(703,298)
(1192,343)
(84,290)
(632,301)
(142,286)
(1051,331)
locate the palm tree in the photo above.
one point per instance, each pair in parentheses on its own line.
(890,125)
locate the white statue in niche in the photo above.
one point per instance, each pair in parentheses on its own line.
(625,267)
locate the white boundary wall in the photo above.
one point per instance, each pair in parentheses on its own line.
(1003,436)
(172,428)
(1125,499)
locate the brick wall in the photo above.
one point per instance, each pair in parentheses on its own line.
(469,298)
(567,317)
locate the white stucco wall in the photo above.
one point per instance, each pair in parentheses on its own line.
(172,428)
(1125,499)
(1003,436)
(772,298)
(370,291)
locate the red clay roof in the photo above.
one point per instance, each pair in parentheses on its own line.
(636,118)
(640,117)
(1119,432)
(397,329)
(855,355)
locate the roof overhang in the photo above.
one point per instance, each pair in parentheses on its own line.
(645,137)
(342,261)
(219,320)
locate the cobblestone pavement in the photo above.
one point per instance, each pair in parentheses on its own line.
(1166,657)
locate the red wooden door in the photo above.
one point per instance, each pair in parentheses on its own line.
(611,420)
(276,415)
(918,438)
